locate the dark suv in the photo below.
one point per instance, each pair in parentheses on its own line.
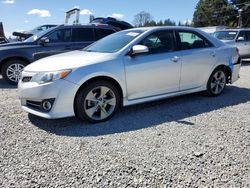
(15,56)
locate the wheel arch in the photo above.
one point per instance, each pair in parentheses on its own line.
(5,60)
(105,78)
(227,69)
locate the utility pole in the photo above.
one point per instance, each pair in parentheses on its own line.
(240,18)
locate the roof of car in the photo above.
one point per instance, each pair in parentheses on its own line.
(165,27)
(236,29)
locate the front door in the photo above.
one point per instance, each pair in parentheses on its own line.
(154,73)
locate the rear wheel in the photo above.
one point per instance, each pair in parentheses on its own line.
(12,70)
(217,82)
(97,102)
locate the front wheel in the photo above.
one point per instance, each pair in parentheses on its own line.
(97,102)
(12,70)
(217,82)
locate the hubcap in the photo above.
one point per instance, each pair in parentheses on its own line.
(218,82)
(14,71)
(100,103)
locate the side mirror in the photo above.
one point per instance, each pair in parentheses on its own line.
(43,41)
(240,39)
(139,49)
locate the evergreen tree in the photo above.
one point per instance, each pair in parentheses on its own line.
(214,13)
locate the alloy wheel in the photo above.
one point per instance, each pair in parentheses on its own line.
(14,71)
(218,82)
(100,103)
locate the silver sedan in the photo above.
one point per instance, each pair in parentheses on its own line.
(127,68)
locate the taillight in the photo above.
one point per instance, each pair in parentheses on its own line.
(238,51)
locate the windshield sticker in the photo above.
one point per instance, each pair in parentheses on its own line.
(232,33)
(133,34)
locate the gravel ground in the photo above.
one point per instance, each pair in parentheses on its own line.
(189,141)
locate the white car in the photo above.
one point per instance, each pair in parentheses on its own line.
(238,37)
(127,68)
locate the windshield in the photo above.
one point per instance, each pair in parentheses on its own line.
(38,35)
(225,35)
(115,42)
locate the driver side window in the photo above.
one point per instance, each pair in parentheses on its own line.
(159,42)
(58,36)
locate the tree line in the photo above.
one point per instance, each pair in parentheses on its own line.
(145,19)
(231,13)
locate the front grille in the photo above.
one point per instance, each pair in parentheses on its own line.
(26,79)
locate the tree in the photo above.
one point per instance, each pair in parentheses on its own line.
(142,19)
(215,12)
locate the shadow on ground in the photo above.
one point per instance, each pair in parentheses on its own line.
(146,115)
(5,85)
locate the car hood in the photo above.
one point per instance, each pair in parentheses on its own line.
(14,45)
(69,60)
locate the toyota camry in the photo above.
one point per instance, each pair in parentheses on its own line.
(126,68)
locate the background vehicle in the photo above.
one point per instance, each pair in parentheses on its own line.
(15,56)
(26,34)
(112,21)
(211,29)
(238,37)
(126,68)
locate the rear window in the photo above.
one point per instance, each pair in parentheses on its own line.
(225,35)
(82,34)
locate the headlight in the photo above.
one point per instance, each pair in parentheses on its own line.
(45,77)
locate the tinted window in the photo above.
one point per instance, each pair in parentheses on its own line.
(101,33)
(160,41)
(63,35)
(247,33)
(190,40)
(82,34)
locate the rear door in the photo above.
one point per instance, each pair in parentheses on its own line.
(82,37)
(198,56)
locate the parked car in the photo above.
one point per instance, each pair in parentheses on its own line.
(114,22)
(126,68)
(26,34)
(15,56)
(238,37)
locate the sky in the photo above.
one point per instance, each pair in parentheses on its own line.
(18,15)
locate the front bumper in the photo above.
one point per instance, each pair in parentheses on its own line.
(61,91)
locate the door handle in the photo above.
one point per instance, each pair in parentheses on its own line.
(175,59)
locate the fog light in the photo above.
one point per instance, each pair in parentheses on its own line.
(47,105)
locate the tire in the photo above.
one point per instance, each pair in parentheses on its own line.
(11,70)
(217,82)
(97,102)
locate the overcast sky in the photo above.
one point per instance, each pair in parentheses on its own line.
(19,15)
